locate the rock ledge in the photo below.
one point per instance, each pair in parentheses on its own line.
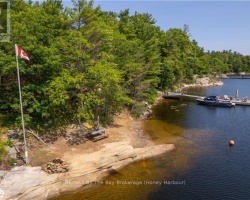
(23,183)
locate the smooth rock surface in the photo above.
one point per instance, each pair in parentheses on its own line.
(24,183)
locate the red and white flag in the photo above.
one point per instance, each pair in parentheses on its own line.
(21,54)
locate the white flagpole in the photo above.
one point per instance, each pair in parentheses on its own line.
(21,107)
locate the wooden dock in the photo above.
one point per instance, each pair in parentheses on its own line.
(172,95)
(192,96)
(241,102)
(237,77)
(178,95)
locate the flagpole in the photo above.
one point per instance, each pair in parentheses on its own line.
(21,107)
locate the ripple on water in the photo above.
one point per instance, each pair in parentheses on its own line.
(210,168)
(162,168)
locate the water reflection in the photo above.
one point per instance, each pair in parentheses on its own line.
(167,167)
(203,158)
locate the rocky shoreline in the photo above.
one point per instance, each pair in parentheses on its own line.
(200,82)
(33,183)
(83,165)
(26,182)
(203,82)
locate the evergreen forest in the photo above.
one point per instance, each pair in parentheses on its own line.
(87,63)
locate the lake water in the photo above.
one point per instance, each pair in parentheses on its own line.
(203,166)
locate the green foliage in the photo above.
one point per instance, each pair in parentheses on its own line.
(9,143)
(138,108)
(2,145)
(87,63)
(12,161)
(2,150)
(21,138)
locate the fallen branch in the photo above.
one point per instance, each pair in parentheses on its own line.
(30,131)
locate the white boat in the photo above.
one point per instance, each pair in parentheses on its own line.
(244,101)
(214,101)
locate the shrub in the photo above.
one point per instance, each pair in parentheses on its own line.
(9,143)
(2,150)
(12,161)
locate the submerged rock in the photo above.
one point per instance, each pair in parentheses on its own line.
(33,183)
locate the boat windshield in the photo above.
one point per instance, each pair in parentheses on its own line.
(211,98)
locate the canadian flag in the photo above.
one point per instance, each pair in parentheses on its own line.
(20,53)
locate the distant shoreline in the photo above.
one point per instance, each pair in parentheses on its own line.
(91,164)
(203,82)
